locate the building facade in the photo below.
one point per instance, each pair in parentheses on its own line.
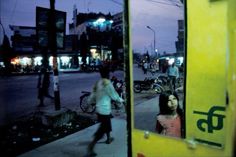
(179,44)
(102,35)
(27,57)
(93,38)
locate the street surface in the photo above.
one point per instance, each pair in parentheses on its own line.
(145,109)
(144,95)
(19,96)
(146,105)
(19,93)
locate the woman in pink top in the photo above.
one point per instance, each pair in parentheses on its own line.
(169,120)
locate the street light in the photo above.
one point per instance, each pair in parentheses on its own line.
(154,38)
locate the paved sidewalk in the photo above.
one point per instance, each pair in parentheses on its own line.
(75,145)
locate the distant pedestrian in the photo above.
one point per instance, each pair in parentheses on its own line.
(152,68)
(173,74)
(170,119)
(145,68)
(43,86)
(98,63)
(102,94)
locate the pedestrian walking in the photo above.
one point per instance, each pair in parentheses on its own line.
(43,86)
(102,94)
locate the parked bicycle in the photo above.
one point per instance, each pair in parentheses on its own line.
(85,107)
(90,108)
(165,83)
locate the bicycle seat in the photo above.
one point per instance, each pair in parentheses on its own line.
(86,92)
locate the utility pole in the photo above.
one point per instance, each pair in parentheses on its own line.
(53,49)
(154,41)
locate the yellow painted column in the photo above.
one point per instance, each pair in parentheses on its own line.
(210,75)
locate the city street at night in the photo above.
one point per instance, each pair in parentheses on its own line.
(19,106)
(117,78)
(19,93)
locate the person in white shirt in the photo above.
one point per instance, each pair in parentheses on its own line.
(173,74)
(102,94)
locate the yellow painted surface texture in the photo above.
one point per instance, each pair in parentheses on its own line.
(211,62)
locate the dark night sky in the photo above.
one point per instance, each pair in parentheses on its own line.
(160,15)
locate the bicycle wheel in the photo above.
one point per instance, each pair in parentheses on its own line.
(85,107)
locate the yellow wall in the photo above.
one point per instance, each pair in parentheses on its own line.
(211,71)
(231,70)
(206,65)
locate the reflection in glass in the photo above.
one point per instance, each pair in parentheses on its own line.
(169,119)
(60,24)
(60,40)
(43,38)
(157,35)
(43,16)
(60,20)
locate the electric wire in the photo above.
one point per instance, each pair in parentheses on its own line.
(175,3)
(164,3)
(0,11)
(117,2)
(13,12)
(1,19)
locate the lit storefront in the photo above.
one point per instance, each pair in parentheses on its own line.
(28,56)
(33,64)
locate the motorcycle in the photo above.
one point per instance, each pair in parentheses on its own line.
(119,86)
(148,84)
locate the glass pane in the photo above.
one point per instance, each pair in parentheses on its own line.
(157,35)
